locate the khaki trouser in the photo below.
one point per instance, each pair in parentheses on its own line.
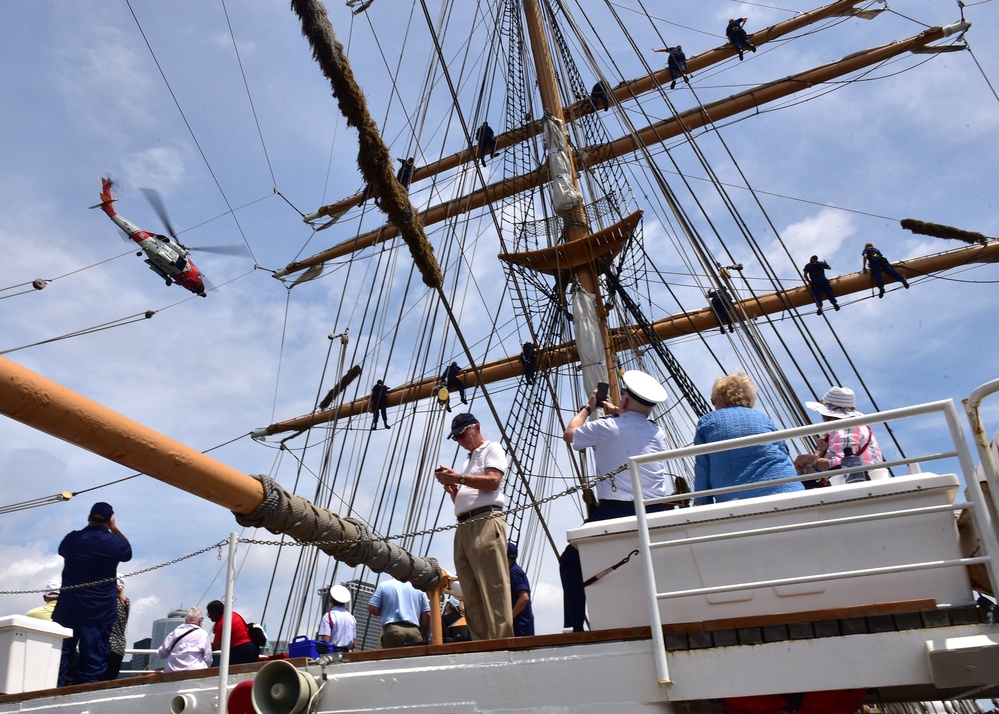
(398,634)
(484,573)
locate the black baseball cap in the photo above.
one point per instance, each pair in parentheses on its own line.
(460,423)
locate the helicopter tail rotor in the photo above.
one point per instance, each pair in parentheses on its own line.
(106,196)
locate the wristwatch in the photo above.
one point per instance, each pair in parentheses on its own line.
(461,480)
(588,408)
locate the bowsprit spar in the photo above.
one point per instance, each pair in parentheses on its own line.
(611,226)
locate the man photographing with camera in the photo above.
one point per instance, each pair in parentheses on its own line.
(626,431)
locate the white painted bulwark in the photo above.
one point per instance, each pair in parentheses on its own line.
(617,600)
(30,650)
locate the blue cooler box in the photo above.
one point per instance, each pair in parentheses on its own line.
(302,646)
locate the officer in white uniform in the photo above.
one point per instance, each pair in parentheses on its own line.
(626,431)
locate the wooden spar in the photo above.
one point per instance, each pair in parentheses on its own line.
(754,98)
(668,328)
(49,407)
(659,132)
(42,404)
(626,90)
(647,83)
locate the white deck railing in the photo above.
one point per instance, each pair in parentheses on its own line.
(977,505)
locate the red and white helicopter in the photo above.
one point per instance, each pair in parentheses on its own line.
(166,257)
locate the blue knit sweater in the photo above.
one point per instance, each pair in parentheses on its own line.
(750,464)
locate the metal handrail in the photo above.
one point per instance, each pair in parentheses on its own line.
(823,577)
(981,439)
(981,514)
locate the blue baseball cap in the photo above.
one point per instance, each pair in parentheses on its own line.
(101,511)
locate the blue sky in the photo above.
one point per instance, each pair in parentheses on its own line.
(83,94)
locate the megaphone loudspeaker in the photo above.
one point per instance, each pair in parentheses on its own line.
(280,688)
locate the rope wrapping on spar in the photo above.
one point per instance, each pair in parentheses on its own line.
(345,539)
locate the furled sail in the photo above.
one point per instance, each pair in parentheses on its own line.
(588,338)
(565,196)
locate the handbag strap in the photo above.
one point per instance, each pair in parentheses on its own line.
(179,638)
(870,435)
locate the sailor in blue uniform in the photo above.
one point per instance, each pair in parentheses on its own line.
(738,37)
(818,283)
(486,141)
(879,264)
(599,96)
(405,173)
(677,64)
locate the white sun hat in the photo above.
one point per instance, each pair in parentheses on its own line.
(838,403)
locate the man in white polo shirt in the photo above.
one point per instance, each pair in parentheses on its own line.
(626,431)
(480,540)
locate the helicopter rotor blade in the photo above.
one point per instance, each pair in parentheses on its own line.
(153,196)
(223,250)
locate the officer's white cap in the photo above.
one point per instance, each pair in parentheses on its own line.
(340,594)
(643,387)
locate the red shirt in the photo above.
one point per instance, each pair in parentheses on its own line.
(240,632)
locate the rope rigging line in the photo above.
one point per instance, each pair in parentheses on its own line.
(800,327)
(895,12)
(981,69)
(674,205)
(68,495)
(252,202)
(788,398)
(455,322)
(249,95)
(190,129)
(23,292)
(120,322)
(652,19)
(306,569)
(788,393)
(678,378)
(36,503)
(39,284)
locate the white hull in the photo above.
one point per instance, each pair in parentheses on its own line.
(616,676)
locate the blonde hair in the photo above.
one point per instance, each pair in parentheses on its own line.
(734,390)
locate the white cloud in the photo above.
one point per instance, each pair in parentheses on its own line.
(823,234)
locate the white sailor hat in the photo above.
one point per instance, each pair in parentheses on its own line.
(643,387)
(340,594)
